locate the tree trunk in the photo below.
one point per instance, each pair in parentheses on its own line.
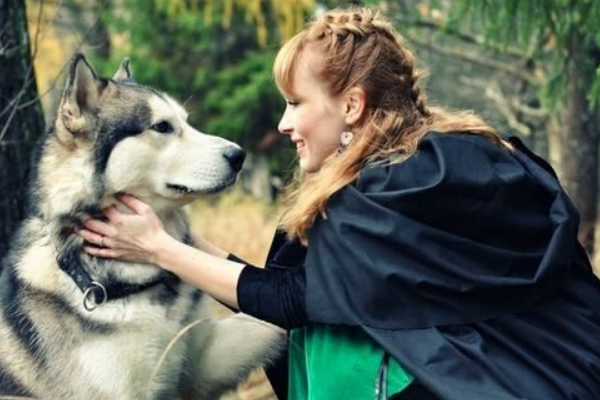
(555,142)
(21,117)
(580,146)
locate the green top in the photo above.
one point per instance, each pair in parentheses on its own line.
(338,362)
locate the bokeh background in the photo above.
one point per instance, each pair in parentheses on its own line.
(530,67)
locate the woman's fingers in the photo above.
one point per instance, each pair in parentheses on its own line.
(124,235)
(91,237)
(133,203)
(102,252)
(113,215)
(96,238)
(99,227)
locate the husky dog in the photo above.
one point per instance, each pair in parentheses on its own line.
(75,327)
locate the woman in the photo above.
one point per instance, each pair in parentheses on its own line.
(421,255)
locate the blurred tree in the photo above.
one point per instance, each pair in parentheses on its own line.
(65,27)
(85,19)
(21,118)
(289,15)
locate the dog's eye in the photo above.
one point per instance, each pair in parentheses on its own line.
(162,127)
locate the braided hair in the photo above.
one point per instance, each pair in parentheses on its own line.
(358,47)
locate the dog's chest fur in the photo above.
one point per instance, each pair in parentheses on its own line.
(128,335)
(136,354)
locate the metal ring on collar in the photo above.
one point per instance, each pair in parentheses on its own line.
(90,303)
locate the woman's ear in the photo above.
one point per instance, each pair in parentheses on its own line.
(355,103)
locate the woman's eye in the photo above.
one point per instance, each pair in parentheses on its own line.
(162,127)
(292,103)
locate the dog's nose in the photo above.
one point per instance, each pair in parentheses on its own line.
(235,156)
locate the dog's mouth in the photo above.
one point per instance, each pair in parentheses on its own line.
(184,191)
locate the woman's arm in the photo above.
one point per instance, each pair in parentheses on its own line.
(212,274)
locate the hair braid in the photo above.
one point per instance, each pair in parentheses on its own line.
(361,22)
(352,27)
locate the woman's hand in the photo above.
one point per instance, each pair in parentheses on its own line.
(141,237)
(133,237)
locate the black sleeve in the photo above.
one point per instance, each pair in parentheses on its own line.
(233,257)
(274,294)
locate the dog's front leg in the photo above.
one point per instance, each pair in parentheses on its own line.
(223,353)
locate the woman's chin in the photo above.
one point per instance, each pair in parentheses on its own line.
(307,167)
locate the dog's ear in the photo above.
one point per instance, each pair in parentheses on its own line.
(124,71)
(81,96)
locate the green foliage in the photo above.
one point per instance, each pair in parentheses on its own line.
(287,15)
(246,94)
(547,31)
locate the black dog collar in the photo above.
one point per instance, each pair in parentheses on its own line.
(96,293)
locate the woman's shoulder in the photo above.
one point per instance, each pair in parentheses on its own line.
(463,143)
(439,158)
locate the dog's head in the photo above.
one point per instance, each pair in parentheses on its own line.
(139,141)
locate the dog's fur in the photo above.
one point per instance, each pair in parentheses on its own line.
(111,136)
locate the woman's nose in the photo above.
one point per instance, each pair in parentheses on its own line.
(284,127)
(284,130)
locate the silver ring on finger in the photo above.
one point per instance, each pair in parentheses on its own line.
(101,241)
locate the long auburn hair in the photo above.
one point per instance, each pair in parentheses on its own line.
(360,48)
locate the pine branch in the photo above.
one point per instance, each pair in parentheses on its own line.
(461,54)
(479,40)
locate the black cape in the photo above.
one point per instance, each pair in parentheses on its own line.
(463,263)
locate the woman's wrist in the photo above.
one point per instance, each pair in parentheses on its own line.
(210,273)
(163,250)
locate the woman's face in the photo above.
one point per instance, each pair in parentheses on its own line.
(313,119)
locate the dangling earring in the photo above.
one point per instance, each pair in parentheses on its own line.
(345,140)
